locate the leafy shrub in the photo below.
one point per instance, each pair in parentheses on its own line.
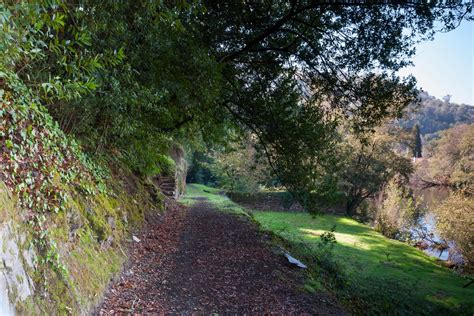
(331,267)
(397,213)
(166,165)
(146,157)
(328,238)
(455,221)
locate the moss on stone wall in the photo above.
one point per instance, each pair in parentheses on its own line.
(90,235)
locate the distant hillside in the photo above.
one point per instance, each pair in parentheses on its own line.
(434,115)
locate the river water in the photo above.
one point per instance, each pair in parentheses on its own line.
(430,199)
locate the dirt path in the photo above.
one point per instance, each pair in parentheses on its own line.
(201,261)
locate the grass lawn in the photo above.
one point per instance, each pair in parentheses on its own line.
(386,274)
(382,275)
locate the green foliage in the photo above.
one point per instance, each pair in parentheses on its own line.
(167,165)
(200,169)
(239,167)
(455,219)
(145,155)
(328,238)
(398,212)
(370,163)
(52,35)
(111,73)
(38,159)
(288,77)
(143,79)
(164,86)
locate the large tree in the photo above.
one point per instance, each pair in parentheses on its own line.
(369,164)
(292,69)
(285,71)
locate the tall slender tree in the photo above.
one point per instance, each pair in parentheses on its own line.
(417,146)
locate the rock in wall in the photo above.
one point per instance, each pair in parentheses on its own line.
(16,257)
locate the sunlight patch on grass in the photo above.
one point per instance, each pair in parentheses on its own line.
(385,271)
(389,276)
(340,237)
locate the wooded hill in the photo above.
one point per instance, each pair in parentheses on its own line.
(434,115)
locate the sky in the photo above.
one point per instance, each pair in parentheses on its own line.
(446,65)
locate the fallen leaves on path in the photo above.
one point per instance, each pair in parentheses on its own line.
(201,261)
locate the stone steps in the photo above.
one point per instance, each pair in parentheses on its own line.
(167,185)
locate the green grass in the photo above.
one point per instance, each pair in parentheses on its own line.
(382,276)
(387,275)
(214,196)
